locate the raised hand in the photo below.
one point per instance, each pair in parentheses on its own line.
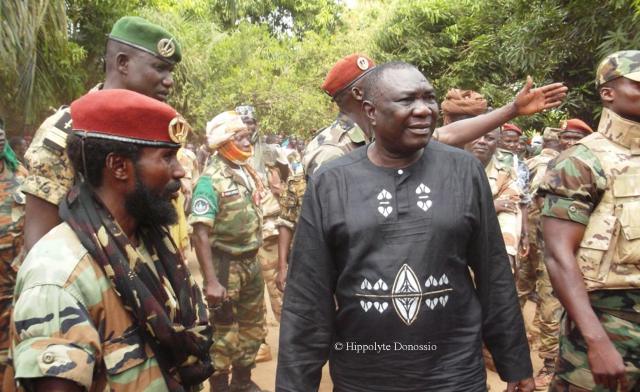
(533,100)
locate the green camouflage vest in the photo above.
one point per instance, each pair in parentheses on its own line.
(609,254)
(238,224)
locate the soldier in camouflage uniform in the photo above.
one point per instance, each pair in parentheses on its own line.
(533,274)
(591,206)
(133,45)
(12,173)
(505,192)
(104,301)
(227,233)
(268,166)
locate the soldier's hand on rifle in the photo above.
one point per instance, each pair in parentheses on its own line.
(215,293)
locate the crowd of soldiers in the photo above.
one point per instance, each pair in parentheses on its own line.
(109,200)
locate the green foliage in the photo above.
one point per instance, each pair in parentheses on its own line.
(490,46)
(282,16)
(279,74)
(50,54)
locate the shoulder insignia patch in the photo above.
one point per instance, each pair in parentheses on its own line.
(201,206)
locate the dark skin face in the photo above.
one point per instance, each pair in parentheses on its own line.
(242,140)
(159,170)
(484,147)
(146,74)
(570,137)
(509,140)
(403,113)
(251,124)
(522,147)
(622,96)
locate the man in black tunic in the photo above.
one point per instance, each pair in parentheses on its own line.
(403,234)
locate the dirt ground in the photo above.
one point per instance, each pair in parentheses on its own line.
(265,372)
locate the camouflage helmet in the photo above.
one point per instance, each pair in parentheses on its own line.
(624,63)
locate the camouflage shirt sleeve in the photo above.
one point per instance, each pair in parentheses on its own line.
(291,201)
(572,185)
(50,172)
(53,336)
(323,154)
(204,202)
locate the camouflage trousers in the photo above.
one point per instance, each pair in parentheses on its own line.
(572,367)
(268,257)
(548,315)
(527,266)
(7,284)
(236,341)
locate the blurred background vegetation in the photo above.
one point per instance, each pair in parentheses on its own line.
(274,54)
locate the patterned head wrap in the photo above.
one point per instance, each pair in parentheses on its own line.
(458,102)
(247,112)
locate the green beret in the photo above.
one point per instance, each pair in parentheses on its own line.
(141,34)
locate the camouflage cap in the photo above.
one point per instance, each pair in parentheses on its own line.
(624,63)
(551,133)
(143,35)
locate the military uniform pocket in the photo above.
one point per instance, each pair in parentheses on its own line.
(124,352)
(594,245)
(628,249)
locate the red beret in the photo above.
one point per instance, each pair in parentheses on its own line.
(128,116)
(511,127)
(578,125)
(346,72)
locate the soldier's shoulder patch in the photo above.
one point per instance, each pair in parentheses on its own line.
(56,136)
(201,206)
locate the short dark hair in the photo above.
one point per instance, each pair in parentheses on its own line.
(371,85)
(95,152)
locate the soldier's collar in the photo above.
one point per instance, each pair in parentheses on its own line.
(620,130)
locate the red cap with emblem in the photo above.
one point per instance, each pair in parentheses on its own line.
(127,116)
(511,127)
(346,72)
(576,125)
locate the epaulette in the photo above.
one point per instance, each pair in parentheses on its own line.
(56,136)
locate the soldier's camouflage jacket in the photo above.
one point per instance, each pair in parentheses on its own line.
(50,172)
(69,323)
(537,169)
(225,202)
(341,137)
(596,183)
(291,201)
(502,180)
(11,247)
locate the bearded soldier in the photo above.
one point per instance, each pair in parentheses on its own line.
(104,300)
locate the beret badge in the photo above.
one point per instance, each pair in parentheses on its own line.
(179,129)
(166,47)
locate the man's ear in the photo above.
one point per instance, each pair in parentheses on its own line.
(607,94)
(122,63)
(357,93)
(370,112)
(119,167)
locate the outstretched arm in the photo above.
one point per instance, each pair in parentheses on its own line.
(528,101)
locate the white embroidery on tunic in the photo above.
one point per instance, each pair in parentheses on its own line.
(423,197)
(406,294)
(384,202)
